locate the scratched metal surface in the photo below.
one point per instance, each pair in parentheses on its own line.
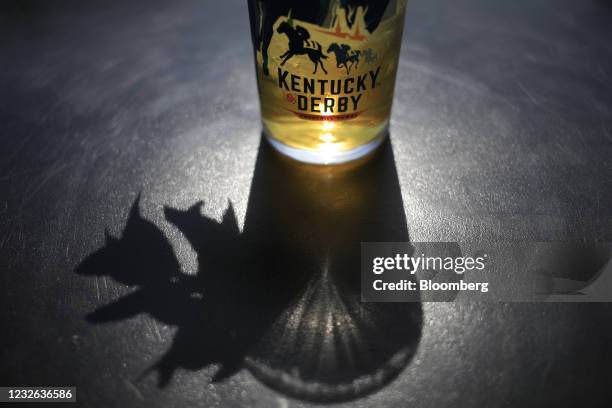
(502,129)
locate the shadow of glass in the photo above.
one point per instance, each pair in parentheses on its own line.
(282,298)
(305,224)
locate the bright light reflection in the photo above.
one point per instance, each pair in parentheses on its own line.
(328,125)
(327,137)
(328,148)
(324,111)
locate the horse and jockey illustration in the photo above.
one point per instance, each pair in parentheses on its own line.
(265,15)
(370,56)
(345,57)
(299,44)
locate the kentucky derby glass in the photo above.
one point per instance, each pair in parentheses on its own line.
(326,74)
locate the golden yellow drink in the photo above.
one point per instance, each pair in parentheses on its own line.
(326,77)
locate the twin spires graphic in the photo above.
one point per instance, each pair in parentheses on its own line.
(341,20)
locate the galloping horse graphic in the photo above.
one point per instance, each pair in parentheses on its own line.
(344,57)
(265,13)
(369,55)
(298,37)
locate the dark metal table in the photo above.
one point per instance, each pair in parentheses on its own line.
(502,130)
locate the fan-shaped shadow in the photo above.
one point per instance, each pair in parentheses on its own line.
(325,344)
(281,298)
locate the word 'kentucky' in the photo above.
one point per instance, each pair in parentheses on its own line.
(352,87)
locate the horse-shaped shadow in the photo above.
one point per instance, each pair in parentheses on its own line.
(345,57)
(282,297)
(141,258)
(298,37)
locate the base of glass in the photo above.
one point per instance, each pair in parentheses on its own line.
(313,157)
